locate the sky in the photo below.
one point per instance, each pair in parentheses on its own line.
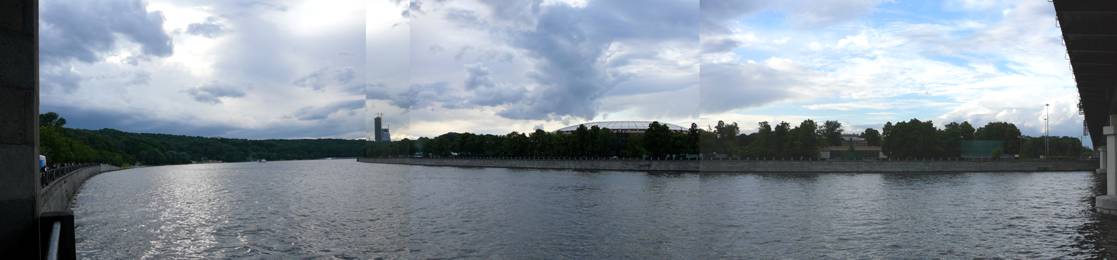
(306,69)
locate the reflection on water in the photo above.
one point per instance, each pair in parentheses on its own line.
(338,208)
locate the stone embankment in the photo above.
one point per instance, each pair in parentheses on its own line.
(56,196)
(756,166)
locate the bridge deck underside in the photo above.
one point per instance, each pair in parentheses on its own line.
(1090,34)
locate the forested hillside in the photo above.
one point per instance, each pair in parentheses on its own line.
(61,145)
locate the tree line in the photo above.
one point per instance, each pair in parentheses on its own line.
(901,140)
(64,145)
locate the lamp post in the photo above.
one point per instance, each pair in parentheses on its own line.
(1046,130)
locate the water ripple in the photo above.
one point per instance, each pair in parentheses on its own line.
(347,210)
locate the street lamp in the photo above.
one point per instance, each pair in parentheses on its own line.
(1046,130)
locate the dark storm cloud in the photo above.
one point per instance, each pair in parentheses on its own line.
(82,30)
(319,113)
(213,92)
(211,28)
(570,43)
(133,121)
(142,122)
(726,86)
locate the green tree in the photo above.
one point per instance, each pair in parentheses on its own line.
(694,136)
(761,142)
(51,119)
(726,137)
(806,141)
(781,140)
(872,136)
(657,139)
(952,135)
(911,139)
(1003,131)
(832,132)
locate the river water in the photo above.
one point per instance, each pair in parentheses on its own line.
(346,209)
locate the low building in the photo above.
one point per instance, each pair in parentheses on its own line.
(853,148)
(622,127)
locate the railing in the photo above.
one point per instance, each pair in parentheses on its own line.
(56,172)
(55,236)
(56,231)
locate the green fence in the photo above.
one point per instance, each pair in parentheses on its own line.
(981,149)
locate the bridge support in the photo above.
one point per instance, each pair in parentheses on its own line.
(1101,159)
(1107,204)
(19,129)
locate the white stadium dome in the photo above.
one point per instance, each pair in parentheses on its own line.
(621,126)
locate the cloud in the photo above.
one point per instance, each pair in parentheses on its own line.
(135,121)
(138,78)
(211,28)
(319,113)
(727,86)
(994,63)
(570,45)
(327,77)
(719,16)
(716,13)
(483,91)
(214,92)
(118,58)
(478,77)
(814,14)
(425,96)
(59,79)
(720,45)
(341,125)
(86,30)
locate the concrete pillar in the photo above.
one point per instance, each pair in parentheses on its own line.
(1110,159)
(19,131)
(1107,204)
(1101,159)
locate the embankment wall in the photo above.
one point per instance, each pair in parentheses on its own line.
(755,166)
(58,195)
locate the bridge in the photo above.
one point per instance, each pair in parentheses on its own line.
(1090,35)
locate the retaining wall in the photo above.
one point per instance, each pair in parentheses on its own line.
(741,166)
(58,195)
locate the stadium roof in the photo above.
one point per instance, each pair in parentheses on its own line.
(622,125)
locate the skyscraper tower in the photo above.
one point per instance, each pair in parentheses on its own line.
(378,128)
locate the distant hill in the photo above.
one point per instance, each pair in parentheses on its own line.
(62,145)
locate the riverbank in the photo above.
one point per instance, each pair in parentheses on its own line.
(754,166)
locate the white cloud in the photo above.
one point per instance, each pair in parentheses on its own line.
(147,69)
(977,68)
